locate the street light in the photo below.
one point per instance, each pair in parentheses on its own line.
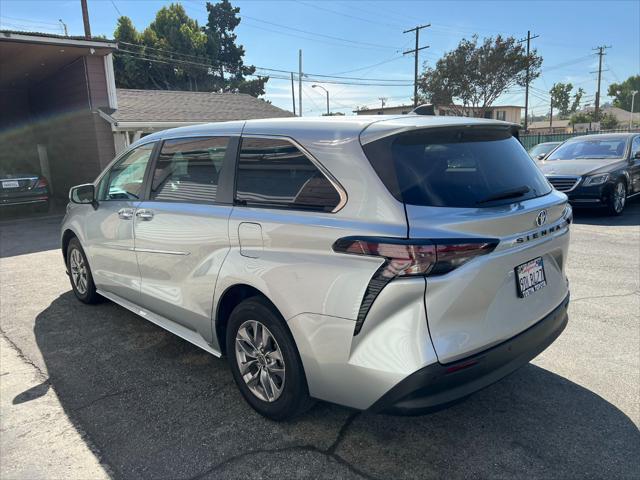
(326,91)
(633,97)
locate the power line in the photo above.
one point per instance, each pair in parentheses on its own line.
(331,37)
(311,78)
(347,15)
(315,75)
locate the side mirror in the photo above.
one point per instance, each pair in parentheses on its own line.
(83,194)
(636,155)
(540,156)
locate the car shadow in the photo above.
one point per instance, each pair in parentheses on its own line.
(29,235)
(599,216)
(154,406)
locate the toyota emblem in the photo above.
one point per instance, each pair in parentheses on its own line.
(541,219)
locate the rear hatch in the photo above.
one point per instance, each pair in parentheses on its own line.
(465,184)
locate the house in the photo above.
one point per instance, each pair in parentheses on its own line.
(557,126)
(623,116)
(508,113)
(50,89)
(141,112)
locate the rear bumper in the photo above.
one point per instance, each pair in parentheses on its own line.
(11,200)
(437,385)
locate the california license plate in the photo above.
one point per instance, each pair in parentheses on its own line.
(10,184)
(530,277)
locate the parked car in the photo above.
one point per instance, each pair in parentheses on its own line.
(597,170)
(25,189)
(541,150)
(385,263)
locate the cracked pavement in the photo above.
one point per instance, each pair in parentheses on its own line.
(95,391)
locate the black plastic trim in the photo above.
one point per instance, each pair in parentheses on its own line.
(438,385)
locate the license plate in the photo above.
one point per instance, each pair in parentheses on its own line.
(10,184)
(530,277)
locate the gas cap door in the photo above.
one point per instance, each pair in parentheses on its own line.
(251,243)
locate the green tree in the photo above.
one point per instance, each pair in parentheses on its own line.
(474,75)
(175,53)
(562,100)
(607,121)
(222,47)
(622,92)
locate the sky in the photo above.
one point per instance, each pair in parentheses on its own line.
(365,39)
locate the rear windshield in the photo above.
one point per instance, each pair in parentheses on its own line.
(466,167)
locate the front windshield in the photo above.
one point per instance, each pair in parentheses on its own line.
(541,148)
(587,148)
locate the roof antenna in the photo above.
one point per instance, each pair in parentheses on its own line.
(424,109)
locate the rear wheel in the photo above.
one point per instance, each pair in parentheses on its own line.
(80,273)
(265,362)
(618,198)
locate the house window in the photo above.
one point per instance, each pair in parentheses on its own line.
(501,115)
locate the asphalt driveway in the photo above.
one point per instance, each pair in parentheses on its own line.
(147,404)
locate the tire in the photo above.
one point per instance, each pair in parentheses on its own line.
(618,198)
(80,274)
(287,396)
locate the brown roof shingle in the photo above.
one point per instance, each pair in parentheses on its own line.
(178,106)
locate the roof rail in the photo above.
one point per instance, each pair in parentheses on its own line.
(424,109)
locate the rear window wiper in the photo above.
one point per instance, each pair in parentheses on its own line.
(505,194)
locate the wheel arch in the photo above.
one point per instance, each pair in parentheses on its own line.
(229,299)
(66,238)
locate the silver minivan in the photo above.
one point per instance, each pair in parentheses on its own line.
(390,263)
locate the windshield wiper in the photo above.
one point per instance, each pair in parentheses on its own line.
(512,193)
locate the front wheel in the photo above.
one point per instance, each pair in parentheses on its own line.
(80,274)
(618,198)
(265,362)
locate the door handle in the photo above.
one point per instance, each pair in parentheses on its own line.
(144,214)
(125,213)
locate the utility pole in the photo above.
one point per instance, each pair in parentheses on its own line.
(415,51)
(526,91)
(293,96)
(382,101)
(300,82)
(601,49)
(551,117)
(85,19)
(64,26)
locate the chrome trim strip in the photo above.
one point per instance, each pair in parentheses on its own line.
(342,193)
(164,252)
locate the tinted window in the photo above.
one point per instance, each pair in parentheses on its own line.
(456,167)
(635,146)
(126,178)
(591,148)
(275,173)
(187,170)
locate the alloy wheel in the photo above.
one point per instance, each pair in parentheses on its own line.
(619,197)
(260,360)
(78,271)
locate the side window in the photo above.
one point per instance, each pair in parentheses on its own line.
(635,146)
(274,173)
(188,169)
(125,180)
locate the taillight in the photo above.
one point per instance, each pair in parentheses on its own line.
(42,183)
(410,257)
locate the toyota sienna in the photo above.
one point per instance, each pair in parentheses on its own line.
(394,264)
